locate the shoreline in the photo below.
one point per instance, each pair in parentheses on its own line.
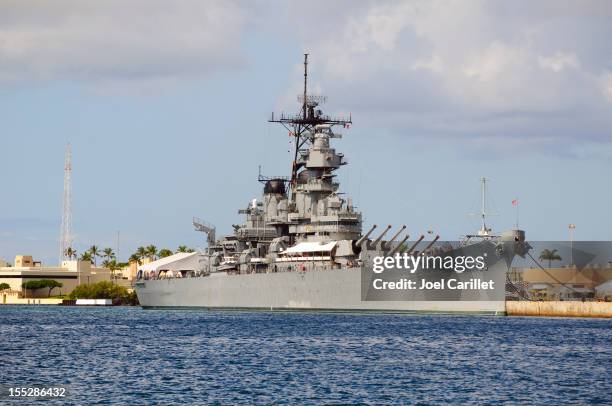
(560,309)
(513,308)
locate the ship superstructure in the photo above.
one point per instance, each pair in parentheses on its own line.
(300,216)
(301,245)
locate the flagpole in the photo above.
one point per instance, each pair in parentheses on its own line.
(517,213)
(515,203)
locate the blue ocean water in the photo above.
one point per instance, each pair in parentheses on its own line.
(131,356)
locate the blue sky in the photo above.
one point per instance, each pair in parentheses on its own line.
(166,107)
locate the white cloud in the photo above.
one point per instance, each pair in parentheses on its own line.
(490,64)
(559,61)
(115,40)
(440,66)
(513,69)
(606,85)
(433,63)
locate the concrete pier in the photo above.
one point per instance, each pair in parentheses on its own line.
(560,309)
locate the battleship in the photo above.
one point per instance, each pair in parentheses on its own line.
(301,246)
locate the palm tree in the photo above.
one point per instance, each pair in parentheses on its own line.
(184,248)
(152,252)
(135,258)
(141,252)
(164,252)
(70,252)
(112,266)
(95,252)
(549,255)
(86,256)
(108,254)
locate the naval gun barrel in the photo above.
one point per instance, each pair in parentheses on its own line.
(399,245)
(415,244)
(431,243)
(388,244)
(380,237)
(365,237)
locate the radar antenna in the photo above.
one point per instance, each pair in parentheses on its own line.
(302,126)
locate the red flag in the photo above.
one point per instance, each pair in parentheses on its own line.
(515,202)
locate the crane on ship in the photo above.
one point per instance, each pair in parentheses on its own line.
(207,228)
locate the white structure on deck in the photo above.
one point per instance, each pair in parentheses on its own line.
(604,290)
(177,265)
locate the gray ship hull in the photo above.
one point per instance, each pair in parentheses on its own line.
(328,290)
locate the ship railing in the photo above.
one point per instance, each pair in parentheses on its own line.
(284,117)
(303,259)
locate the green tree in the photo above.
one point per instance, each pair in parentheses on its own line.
(4,286)
(95,252)
(32,285)
(142,253)
(549,255)
(108,254)
(184,248)
(164,252)
(105,290)
(70,253)
(152,252)
(52,284)
(112,266)
(135,258)
(86,256)
(41,284)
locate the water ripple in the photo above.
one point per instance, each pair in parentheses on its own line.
(131,356)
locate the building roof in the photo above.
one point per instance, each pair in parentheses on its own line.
(604,287)
(177,262)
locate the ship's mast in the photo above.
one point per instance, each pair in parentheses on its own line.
(484,230)
(305,85)
(302,126)
(483,212)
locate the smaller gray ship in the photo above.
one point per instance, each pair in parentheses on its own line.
(301,246)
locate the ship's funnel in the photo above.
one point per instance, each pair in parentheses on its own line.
(365,237)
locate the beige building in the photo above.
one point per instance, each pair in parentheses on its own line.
(567,283)
(70,274)
(129,272)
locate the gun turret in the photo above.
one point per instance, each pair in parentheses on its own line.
(431,243)
(388,243)
(415,244)
(380,237)
(398,246)
(365,237)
